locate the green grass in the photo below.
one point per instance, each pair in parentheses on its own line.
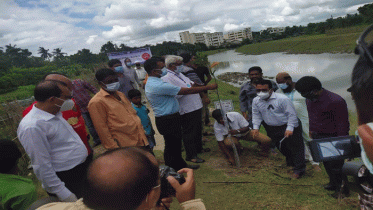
(22,92)
(334,41)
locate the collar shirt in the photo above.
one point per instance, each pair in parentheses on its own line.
(141,73)
(116,122)
(278,110)
(191,74)
(161,96)
(328,114)
(187,103)
(52,146)
(131,73)
(301,107)
(237,121)
(81,94)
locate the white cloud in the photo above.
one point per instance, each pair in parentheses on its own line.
(91,39)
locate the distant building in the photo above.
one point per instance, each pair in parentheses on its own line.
(210,39)
(276,30)
(239,35)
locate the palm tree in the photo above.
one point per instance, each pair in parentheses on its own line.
(44,53)
(58,54)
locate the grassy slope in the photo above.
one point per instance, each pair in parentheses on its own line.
(335,41)
(271,187)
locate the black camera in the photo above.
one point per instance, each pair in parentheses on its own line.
(166,189)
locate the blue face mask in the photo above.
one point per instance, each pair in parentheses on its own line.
(283,86)
(128,64)
(119,69)
(112,87)
(179,69)
(164,71)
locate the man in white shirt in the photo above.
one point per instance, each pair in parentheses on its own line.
(287,87)
(239,129)
(58,156)
(190,109)
(279,118)
(131,73)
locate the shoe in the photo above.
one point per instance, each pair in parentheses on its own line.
(341,193)
(195,160)
(194,167)
(330,187)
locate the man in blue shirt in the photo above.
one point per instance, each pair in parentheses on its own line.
(161,96)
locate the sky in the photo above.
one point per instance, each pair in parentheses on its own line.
(76,24)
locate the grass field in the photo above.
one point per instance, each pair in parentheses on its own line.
(334,41)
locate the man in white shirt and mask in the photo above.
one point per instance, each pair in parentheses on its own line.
(287,87)
(58,156)
(279,118)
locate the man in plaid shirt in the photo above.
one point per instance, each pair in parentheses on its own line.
(82,98)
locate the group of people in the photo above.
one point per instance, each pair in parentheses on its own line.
(53,132)
(292,113)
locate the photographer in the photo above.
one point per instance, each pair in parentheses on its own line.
(114,181)
(361,90)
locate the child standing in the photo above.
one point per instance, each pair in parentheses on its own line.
(135,96)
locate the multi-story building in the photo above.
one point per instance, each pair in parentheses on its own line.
(239,35)
(210,39)
(276,30)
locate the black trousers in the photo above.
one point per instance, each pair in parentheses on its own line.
(75,177)
(292,148)
(191,124)
(333,168)
(170,127)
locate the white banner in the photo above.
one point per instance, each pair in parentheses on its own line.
(139,55)
(227,105)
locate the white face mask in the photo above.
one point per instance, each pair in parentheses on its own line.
(67,105)
(112,87)
(263,95)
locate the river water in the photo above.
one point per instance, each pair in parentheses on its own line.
(333,70)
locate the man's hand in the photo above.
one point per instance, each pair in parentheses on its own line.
(255,133)
(244,114)
(212,86)
(288,133)
(166,203)
(206,101)
(186,191)
(233,132)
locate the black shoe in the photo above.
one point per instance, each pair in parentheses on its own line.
(330,187)
(341,193)
(194,167)
(195,160)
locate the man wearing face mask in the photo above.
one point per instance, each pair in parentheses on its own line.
(287,87)
(279,118)
(328,115)
(58,156)
(125,83)
(131,73)
(116,122)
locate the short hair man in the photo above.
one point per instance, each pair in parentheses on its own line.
(116,122)
(58,155)
(328,115)
(239,129)
(248,92)
(287,87)
(190,110)
(16,192)
(161,96)
(128,178)
(361,90)
(125,83)
(279,118)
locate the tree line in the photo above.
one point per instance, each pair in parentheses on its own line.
(19,67)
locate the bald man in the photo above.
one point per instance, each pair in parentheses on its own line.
(287,87)
(58,156)
(128,178)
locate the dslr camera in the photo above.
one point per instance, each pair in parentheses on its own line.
(166,189)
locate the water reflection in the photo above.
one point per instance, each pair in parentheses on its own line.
(333,70)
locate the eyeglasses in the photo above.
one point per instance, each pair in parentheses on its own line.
(363,43)
(307,94)
(157,186)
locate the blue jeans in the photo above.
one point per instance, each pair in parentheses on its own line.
(91,128)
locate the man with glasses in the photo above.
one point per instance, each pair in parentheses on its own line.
(58,155)
(248,92)
(328,115)
(279,118)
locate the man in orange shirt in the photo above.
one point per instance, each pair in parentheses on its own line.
(115,121)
